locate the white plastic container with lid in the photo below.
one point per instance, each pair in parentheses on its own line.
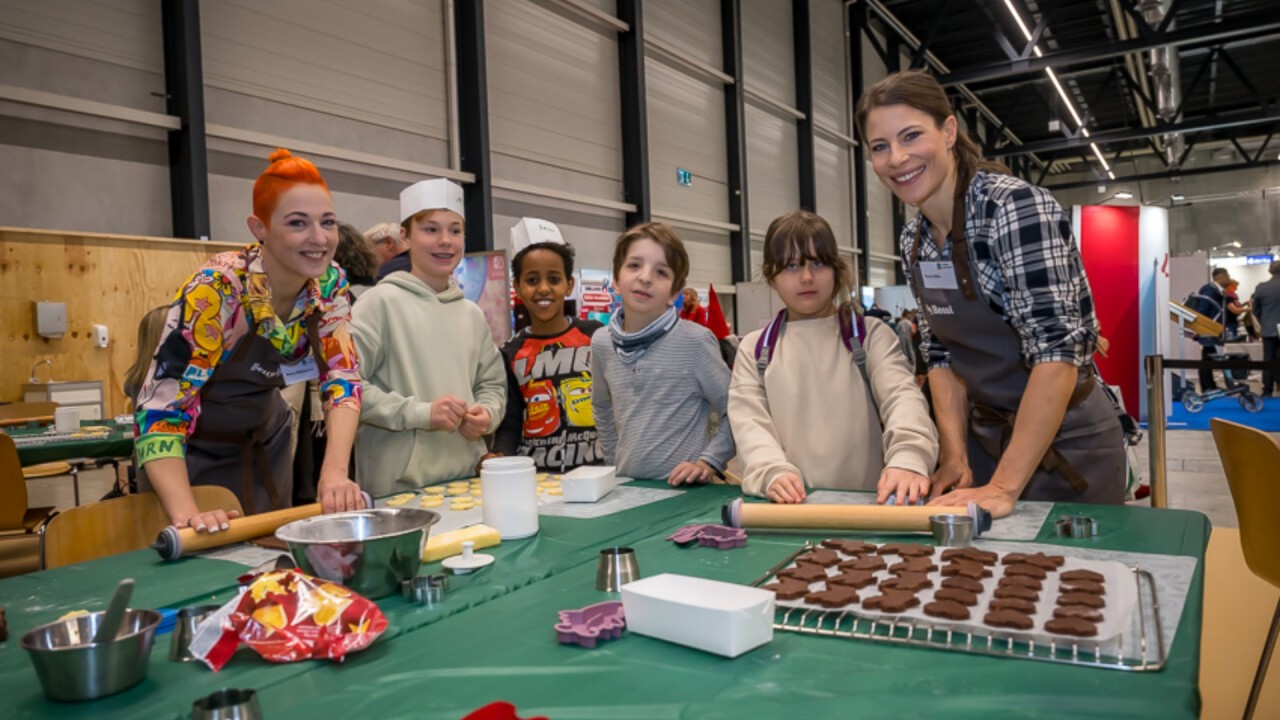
(509,488)
(717,617)
(588,483)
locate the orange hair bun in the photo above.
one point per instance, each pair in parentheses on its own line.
(283,173)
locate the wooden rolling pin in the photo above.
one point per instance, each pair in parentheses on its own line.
(880,518)
(173,543)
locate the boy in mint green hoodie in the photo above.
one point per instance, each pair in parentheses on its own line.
(434,385)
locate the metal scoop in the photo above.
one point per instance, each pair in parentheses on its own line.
(110,624)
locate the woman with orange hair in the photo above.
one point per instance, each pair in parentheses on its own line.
(244,325)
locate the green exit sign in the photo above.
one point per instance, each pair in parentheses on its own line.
(684,177)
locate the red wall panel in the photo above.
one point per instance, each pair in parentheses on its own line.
(1109,247)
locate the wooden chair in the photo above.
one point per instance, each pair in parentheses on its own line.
(20,525)
(20,413)
(118,525)
(1250,458)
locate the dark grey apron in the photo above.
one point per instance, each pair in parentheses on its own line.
(1086,461)
(242,437)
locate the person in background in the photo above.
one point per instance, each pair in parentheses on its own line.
(241,328)
(356,260)
(1231,301)
(1265,305)
(1007,316)
(692,309)
(656,380)
(1210,300)
(817,416)
(149,331)
(548,363)
(390,248)
(906,331)
(434,385)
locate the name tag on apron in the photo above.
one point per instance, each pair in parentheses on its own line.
(301,371)
(938,275)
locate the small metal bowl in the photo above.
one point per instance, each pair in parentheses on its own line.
(952,530)
(72,667)
(370,551)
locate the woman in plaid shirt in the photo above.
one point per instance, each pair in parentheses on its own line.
(1007,321)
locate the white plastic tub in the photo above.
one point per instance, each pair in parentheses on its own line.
(588,483)
(716,617)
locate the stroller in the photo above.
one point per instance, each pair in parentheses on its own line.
(1236,387)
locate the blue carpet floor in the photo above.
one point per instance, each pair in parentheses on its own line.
(1267,419)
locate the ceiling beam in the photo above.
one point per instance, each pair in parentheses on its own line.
(1196,36)
(1163,175)
(1270,116)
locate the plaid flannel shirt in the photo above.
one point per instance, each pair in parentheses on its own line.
(1028,270)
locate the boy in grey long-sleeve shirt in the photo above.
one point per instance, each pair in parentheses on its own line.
(652,414)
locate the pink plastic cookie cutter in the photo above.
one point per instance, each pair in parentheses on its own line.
(717,536)
(591,624)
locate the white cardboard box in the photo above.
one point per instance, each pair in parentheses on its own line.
(709,615)
(588,483)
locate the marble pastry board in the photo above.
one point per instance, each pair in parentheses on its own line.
(1120,597)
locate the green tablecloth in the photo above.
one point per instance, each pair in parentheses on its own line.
(117,444)
(493,640)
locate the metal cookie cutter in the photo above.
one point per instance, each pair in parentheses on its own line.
(1076,526)
(426,590)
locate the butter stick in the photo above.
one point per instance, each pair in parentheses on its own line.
(449,544)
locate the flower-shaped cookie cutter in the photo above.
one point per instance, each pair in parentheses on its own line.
(591,624)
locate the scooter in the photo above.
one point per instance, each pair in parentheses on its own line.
(1194,401)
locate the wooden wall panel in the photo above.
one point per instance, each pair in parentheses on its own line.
(106,279)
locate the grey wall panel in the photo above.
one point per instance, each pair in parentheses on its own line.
(835,193)
(52,189)
(691,26)
(553,89)
(247,112)
(830,83)
(77,76)
(773,174)
(120,32)
(879,210)
(767,55)
(708,257)
(686,130)
(379,62)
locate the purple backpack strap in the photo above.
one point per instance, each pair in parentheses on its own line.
(768,340)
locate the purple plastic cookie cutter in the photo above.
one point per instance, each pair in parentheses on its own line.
(717,536)
(591,624)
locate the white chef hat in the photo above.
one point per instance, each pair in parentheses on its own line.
(531,231)
(437,194)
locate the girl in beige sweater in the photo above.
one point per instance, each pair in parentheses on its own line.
(803,403)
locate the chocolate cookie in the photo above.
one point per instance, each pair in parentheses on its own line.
(1071,626)
(853,579)
(1044,562)
(1014,591)
(870,562)
(1013,558)
(1008,619)
(807,573)
(892,601)
(964,597)
(908,582)
(1085,599)
(948,609)
(962,568)
(905,550)
(786,588)
(1022,581)
(972,554)
(913,565)
(833,597)
(1083,586)
(960,582)
(819,556)
(1078,611)
(1017,604)
(852,548)
(1024,569)
(1089,575)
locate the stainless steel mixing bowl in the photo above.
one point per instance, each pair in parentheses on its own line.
(370,551)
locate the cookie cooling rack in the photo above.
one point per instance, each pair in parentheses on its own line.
(1141,648)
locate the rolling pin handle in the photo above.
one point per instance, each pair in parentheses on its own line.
(168,544)
(731,513)
(981,519)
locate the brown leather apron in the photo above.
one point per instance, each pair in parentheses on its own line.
(1086,461)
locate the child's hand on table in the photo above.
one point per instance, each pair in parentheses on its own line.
(787,488)
(691,473)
